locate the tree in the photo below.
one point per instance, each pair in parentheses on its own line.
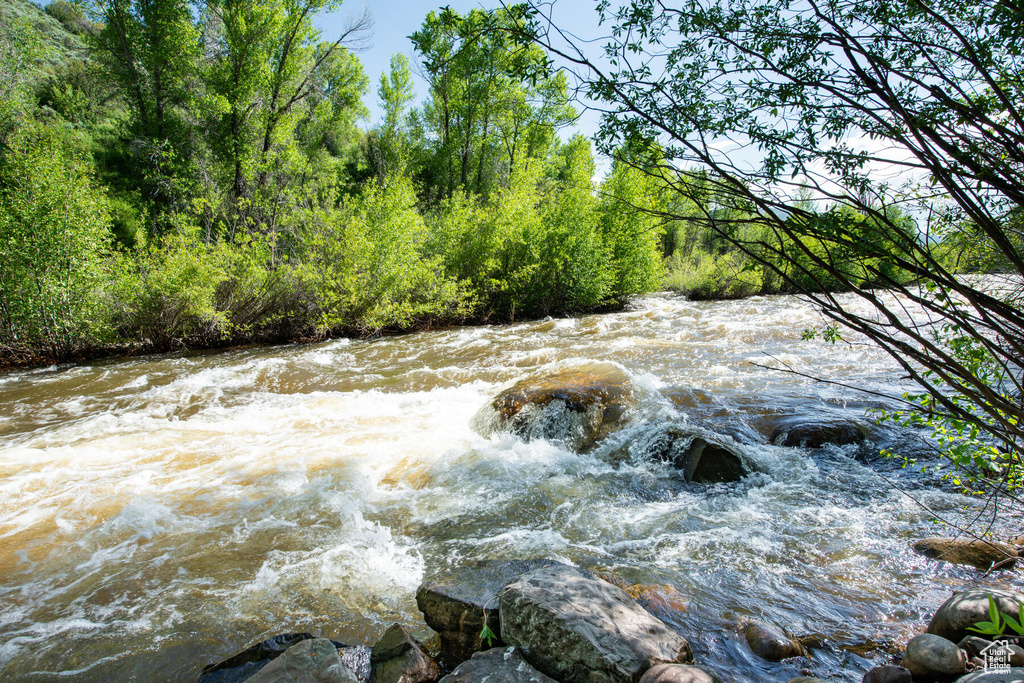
(885,110)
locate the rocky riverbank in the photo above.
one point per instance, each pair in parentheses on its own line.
(544,621)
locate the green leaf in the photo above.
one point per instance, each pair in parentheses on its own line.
(488,635)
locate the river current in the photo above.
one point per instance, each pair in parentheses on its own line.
(161,513)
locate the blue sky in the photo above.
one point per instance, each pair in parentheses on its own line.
(395,20)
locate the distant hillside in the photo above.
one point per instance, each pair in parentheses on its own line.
(64,45)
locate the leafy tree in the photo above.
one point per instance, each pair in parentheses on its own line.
(53,240)
(766,98)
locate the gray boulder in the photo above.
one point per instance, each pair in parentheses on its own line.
(497,665)
(798,431)
(968,608)
(933,658)
(700,458)
(980,554)
(311,661)
(771,644)
(575,628)
(993,676)
(888,674)
(399,658)
(457,602)
(680,673)
(576,407)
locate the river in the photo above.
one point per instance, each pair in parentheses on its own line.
(161,513)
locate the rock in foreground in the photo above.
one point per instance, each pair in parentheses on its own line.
(768,643)
(457,602)
(497,665)
(576,628)
(968,608)
(680,673)
(933,658)
(399,658)
(575,407)
(980,554)
(311,661)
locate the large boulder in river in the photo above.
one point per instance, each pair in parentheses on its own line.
(576,628)
(978,553)
(933,658)
(575,407)
(815,433)
(399,658)
(701,458)
(497,665)
(457,602)
(968,608)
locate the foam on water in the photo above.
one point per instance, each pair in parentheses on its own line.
(157,514)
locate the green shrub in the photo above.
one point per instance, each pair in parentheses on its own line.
(53,249)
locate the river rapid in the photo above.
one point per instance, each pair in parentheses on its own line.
(161,513)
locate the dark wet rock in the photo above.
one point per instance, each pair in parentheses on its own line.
(968,608)
(977,553)
(973,645)
(680,673)
(806,679)
(1016,655)
(456,603)
(497,665)
(399,658)
(245,664)
(576,407)
(310,661)
(993,676)
(771,644)
(808,433)
(575,627)
(888,674)
(700,459)
(934,658)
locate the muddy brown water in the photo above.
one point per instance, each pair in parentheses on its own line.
(158,514)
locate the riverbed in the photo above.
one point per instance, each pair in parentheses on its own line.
(161,513)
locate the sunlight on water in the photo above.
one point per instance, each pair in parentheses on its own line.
(157,514)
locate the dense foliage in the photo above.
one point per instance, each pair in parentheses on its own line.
(180,173)
(850,145)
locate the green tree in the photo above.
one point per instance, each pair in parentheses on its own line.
(766,98)
(53,242)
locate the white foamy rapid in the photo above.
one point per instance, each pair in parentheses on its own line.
(159,514)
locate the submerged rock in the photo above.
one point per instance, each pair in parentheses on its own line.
(933,658)
(575,407)
(457,602)
(574,628)
(680,673)
(969,607)
(700,459)
(771,644)
(977,553)
(399,658)
(311,661)
(798,431)
(497,665)
(887,674)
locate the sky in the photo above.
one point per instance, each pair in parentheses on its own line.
(395,20)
